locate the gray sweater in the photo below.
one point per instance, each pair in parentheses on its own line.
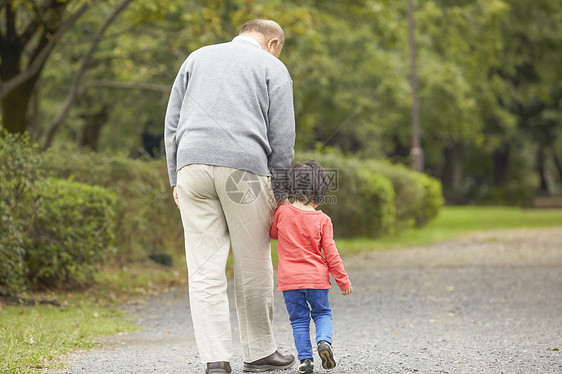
(231,105)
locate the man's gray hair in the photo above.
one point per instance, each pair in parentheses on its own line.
(268,28)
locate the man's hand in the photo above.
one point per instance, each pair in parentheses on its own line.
(175,194)
(347,291)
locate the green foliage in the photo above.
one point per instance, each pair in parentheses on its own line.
(52,230)
(145,214)
(432,199)
(375,197)
(488,79)
(408,192)
(72,232)
(362,202)
(19,172)
(517,186)
(13,272)
(417,197)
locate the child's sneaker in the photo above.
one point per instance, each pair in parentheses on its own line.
(306,366)
(326,354)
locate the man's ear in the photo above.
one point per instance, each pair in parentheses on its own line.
(273,44)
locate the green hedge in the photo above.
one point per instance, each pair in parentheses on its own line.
(19,172)
(418,197)
(377,197)
(432,199)
(71,233)
(49,216)
(147,220)
(372,197)
(52,230)
(362,202)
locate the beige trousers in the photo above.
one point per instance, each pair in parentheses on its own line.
(221,208)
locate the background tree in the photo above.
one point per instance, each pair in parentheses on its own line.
(489,81)
(29,31)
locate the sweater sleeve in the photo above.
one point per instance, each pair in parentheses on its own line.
(172,120)
(333,258)
(281,136)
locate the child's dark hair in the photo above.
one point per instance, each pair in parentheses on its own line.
(308,182)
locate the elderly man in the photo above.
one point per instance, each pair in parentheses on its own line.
(229,130)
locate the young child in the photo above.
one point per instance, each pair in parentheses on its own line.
(307,257)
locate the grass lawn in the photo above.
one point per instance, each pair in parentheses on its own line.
(456,221)
(32,337)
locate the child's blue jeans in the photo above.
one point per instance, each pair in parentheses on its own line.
(302,305)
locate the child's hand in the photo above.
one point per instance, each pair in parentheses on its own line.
(347,291)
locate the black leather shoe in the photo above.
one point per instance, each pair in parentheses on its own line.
(275,361)
(220,367)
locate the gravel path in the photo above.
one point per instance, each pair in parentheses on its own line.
(487,303)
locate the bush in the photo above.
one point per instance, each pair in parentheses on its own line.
(408,192)
(13,273)
(418,197)
(52,230)
(19,172)
(362,203)
(146,217)
(71,233)
(378,207)
(376,197)
(432,199)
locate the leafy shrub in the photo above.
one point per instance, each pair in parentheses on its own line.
(378,210)
(418,197)
(19,172)
(376,197)
(408,192)
(71,232)
(51,230)
(145,214)
(432,199)
(13,273)
(363,204)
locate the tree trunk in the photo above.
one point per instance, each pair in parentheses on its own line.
(558,165)
(501,163)
(15,107)
(74,87)
(453,172)
(90,133)
(42,32)
(543,185)
(416,153)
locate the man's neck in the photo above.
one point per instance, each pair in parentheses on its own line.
(256,36)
